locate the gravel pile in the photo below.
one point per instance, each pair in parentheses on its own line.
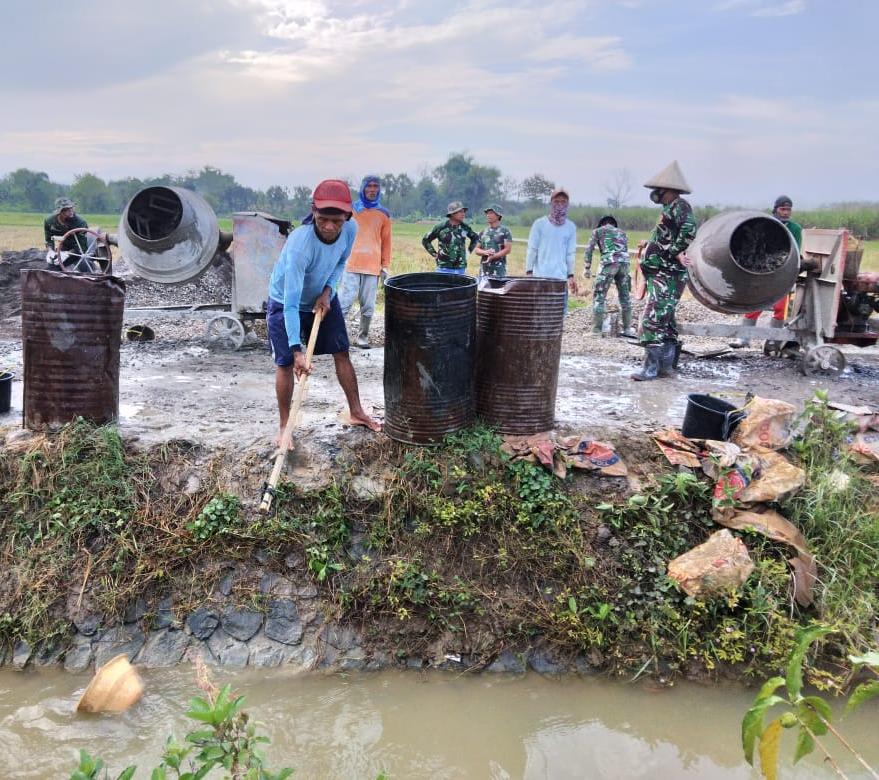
(213,286)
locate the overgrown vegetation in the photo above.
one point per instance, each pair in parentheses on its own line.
(463,552)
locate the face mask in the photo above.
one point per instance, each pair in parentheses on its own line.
(656,196)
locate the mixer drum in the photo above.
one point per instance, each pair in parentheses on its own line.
(742,261)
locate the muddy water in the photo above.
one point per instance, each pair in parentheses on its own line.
(412,726)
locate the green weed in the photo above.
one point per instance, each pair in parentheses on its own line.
(220,516)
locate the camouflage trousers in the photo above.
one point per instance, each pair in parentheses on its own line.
(612,273)
(664,289)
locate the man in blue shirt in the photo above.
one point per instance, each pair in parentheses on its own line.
(304,281)
(552,243)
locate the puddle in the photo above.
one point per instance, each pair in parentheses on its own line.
(127,411)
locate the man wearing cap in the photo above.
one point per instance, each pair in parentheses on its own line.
(495,243)
(552,243)
(61,221)
(781,210)
(451,236)
(664,265)
(304,282)
(370,257)
(613,244)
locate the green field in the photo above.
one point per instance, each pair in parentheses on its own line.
(20,230)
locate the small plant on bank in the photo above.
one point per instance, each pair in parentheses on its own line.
(811,716)
(219,516)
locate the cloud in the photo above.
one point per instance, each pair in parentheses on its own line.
(789,8)
(291,91)
(602,53)
(763,8)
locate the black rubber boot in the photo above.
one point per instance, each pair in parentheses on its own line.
(677,357)
(668,360)
(652,362)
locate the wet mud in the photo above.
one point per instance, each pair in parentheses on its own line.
(180,387)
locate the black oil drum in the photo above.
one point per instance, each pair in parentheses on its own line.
(71,328)
(519,324)
(430,339)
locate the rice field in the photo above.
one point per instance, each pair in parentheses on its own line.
(25,230)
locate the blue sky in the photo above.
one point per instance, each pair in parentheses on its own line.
(752,97)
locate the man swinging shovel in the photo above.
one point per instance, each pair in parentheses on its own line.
(302,297)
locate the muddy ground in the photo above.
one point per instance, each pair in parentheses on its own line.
(180,387)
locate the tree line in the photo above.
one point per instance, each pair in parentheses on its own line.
(460,177)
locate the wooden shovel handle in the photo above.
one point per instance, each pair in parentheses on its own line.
(292,421)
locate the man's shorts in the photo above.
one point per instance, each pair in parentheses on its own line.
(331,338)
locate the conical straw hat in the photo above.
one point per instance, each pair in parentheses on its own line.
(669,178)
(114,688)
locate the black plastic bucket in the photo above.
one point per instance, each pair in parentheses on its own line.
(6,378)
(708,417)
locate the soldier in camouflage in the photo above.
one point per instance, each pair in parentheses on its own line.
(61,221)
(451,236)
(664,265)
(495,243)
(613,244)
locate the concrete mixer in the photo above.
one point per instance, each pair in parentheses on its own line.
(171,235)
(746,260)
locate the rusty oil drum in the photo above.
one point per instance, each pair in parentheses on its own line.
(430,338)
(71,328)
(519,324)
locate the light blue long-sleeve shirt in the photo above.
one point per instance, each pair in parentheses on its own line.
(551,249)
(306,266)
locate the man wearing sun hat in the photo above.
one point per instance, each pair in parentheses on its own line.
(303,282)
(451,237)
(495,243)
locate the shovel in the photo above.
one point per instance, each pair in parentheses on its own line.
(268,489)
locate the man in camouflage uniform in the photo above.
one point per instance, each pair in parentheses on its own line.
(495,243)
(451,236)
(664,265)
(61,221)
(613,244)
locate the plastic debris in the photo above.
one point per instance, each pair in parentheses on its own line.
(773,526)
(767,424)
(678,449)
(559,454)
(716,566)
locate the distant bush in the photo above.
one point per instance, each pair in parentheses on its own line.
(862,219)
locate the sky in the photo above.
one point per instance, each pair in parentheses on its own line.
(754,98)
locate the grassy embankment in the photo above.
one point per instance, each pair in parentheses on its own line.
(465,552)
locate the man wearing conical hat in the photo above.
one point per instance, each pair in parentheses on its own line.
(664,265)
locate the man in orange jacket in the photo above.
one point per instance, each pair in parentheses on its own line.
(370,257)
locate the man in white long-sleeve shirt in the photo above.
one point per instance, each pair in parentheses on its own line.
(552,243)
(303,282)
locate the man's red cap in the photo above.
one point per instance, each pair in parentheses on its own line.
(332,194)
